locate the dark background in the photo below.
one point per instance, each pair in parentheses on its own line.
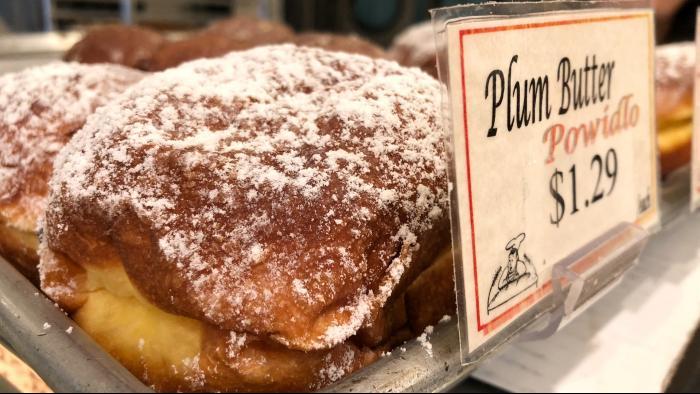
(379,20)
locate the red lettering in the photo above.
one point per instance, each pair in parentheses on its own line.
(626,115)
(554,135)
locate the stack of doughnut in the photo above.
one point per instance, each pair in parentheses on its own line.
(147,50)
(675,71)
(40,109)
(269,220)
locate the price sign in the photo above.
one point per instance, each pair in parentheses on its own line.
(553,131)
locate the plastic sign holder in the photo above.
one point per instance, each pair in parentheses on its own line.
(549,111)
(588,274)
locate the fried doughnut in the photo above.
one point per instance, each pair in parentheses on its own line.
(222,37)
(131,46)
(284,204)
(415,47)
(342,43)
(675,70)
(40,109)
(429,298)
(432,295)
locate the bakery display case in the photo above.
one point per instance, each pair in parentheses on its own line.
(139,289)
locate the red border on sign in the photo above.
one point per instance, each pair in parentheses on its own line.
(545,288)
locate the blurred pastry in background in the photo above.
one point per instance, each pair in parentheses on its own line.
(248,29)
(131,46)
(675,70)
(40,109)
(220,38)
(415,47)
(341,43)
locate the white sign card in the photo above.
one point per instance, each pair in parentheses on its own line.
(553,132)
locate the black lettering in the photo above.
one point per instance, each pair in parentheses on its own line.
(586,69)
(594,67)
(610,70)
(540,96)
(494,77)
(523,116)
(563,71)
(577,80)
(601,81)
(511,120)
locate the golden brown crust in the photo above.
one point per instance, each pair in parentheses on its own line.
(20,247)
(61,278)
(333,220)
(258,365)
(432,295)
(130,46)
(222,37)
(239,363)
(387,321)
(674,159)
(675,143)
(341,43)
(40,109)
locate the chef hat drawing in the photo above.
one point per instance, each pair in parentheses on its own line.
(515,242)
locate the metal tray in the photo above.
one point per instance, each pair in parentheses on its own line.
(37,331)
(413,370)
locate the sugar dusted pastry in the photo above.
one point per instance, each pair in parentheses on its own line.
(231,224)
(40,109)
(675,70)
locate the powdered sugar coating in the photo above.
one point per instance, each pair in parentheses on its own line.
(40,108)
(675,70)
(675,62)
(281,191)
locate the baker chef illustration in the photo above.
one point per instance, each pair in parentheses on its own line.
(513,277)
